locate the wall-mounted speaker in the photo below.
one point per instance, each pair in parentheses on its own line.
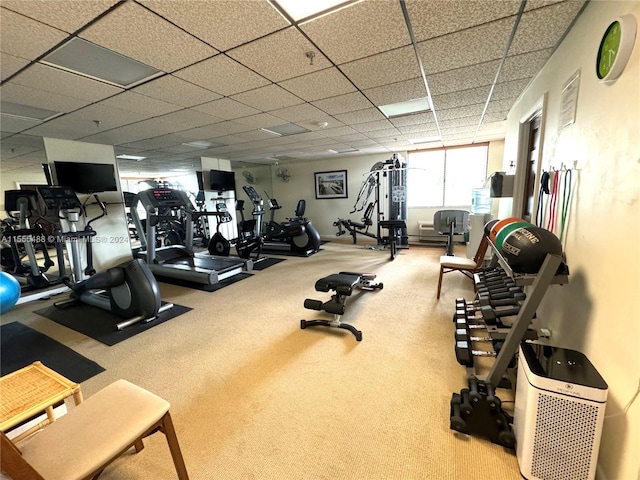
(559,413)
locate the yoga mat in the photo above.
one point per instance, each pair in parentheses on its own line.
(100,325)
(22,345)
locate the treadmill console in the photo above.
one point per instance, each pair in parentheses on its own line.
(59,198)
(166,197)
(11,200)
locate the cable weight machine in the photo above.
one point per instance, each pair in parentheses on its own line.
(386,181)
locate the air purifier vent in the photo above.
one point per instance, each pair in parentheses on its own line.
(564,436)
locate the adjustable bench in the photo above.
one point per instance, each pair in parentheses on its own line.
(395,228)
(343,284)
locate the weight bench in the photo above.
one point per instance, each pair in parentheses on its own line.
(395,228)
(343,284)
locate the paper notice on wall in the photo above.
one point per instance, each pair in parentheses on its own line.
(569,101)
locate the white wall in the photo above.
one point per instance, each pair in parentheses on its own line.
(597,311)
(111,245)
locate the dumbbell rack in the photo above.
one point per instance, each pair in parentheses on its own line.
(540,282)
(476,409)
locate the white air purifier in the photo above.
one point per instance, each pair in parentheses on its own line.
(559,412)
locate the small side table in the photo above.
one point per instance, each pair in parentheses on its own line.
(30,391)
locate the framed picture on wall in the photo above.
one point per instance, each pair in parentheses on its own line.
(331,184)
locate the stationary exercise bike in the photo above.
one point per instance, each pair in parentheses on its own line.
(128,290)
(246,243)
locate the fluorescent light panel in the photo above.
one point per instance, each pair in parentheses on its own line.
(286,129)
(342,150)
(203,144)
(408,107)
(25,111)
(304,10)
(86,58)
(130,157)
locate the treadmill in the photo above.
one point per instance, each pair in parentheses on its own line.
(178,261)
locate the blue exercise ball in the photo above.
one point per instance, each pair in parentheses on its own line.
(9,292)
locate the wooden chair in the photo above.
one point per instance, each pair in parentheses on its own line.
(80,444)
(465,265)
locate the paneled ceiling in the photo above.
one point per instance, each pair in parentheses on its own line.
(230,68)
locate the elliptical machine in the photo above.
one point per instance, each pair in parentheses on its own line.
(296,234)
(128,290)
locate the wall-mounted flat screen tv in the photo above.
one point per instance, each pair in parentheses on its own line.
(86,177)
(222,181)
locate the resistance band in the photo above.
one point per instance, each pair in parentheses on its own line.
(566,198)
(552,204)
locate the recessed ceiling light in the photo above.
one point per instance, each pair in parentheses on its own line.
(286,129)
(425,139)
(88,59)
(299,10)
(26,111)
(417,105)
(130,157)
(203,144)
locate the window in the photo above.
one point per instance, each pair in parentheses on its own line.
(445,177)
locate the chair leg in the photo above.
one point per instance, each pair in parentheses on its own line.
(440,281)
(174,447)
(138,445)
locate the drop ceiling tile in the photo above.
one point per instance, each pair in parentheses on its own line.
(461,98)
(467,47)
(186,119)
(222,75)
(318,85)
(261,120)
(224,24)
(281,55)
(337,132)
(34,97)
(301,113)
(230,127)
(140,103)
(496,116)
(227,109)
(115,136)
(361,116)
(544,27)
(15,28)
(467,129)
(509,89)
(10,65)
(17,124)
(135,32)
(419,131)
(493,126)
(271,97)
(439,17)
(67,15)
(525,65)
(108,117)
(386,133)
(463,78)
(343,103)
(461,122)
(384,68)
(363,29)
(415,119)
(177,91)
(373,126)
(66,127)
(460,112)
(501,105)
(397,92)
(58,81)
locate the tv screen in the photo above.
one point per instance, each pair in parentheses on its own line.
(86,177)
(222,181)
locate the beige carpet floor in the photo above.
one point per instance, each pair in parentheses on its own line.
(255,397)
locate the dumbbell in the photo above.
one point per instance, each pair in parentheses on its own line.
(495,289)
(485,300)
(474,395)
(496,282)
(465,353)
(489,315)
(516,292)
